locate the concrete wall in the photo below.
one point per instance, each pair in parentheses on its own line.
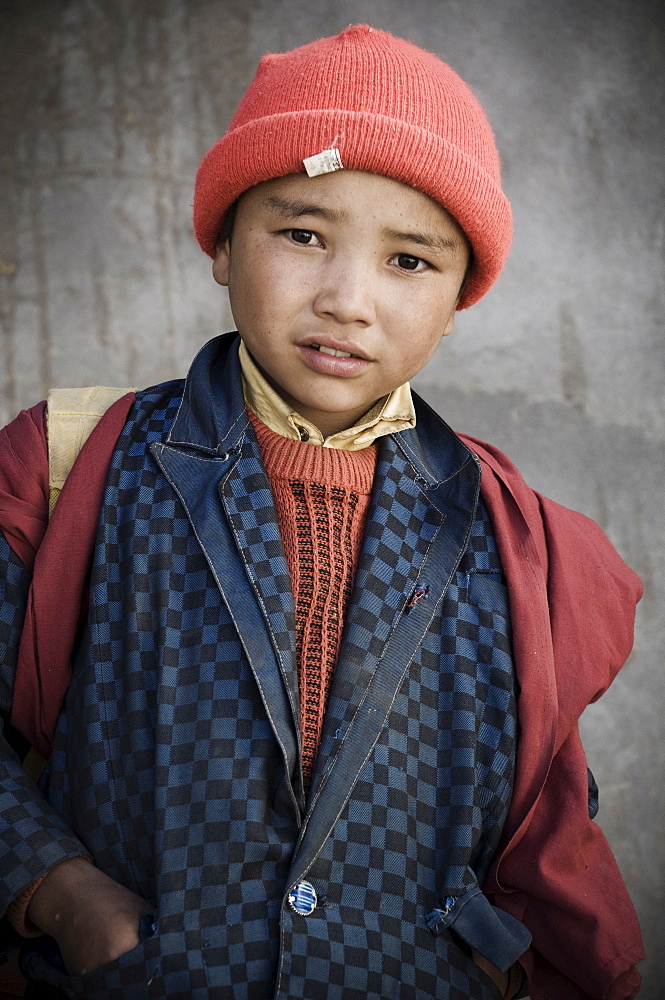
(106,110)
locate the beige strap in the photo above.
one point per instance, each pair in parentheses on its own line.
(72,415)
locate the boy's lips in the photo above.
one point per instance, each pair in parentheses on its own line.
(332,357)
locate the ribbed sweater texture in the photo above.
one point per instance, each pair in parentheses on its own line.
(321,498)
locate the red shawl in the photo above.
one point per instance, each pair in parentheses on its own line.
(58,553)
(572,601)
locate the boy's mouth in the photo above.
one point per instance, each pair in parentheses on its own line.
(330,358)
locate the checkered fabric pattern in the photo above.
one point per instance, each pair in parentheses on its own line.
(426,813)
(42,966)
(175,761)
(167,780)
(30,832)
(593,794)
(399,529)
(251,514)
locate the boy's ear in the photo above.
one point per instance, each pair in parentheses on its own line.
(222,263)
(450,324)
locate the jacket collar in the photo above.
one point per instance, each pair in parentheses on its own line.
(210,420)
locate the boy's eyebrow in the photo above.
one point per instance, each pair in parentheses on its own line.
(295,209)
(431,241)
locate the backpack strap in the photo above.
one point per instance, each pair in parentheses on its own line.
(71,416)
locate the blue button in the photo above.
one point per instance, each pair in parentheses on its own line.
(302,898)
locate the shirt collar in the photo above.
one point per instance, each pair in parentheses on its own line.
(394,412)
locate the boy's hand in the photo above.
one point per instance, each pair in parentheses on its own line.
(93,919)
(500,979)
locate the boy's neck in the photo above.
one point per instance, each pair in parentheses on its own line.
(328,424)
(389,415)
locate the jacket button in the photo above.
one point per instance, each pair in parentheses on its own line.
(304,433)
(302,899)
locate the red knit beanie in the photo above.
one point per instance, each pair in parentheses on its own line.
(389,108)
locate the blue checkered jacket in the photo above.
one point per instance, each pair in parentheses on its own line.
(177,756)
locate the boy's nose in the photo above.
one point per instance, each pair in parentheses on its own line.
(346,296)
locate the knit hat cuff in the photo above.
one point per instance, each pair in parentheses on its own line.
(276,145)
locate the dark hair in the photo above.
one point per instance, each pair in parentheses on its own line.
(467,273)
(226,232)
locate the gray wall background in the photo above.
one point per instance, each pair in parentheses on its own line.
(105,111)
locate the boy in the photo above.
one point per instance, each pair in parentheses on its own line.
(320,736)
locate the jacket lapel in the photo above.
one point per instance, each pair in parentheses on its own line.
(417,530)
(250,569)
(212,460)
(400,529)
(250,509)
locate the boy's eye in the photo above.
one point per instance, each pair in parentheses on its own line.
(407,262)
(304,236)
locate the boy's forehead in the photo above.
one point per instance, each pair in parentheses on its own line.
(349,195)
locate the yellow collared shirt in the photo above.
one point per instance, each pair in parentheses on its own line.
(394,412)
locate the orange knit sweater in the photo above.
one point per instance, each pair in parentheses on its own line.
(321,497)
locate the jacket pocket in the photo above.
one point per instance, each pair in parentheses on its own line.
(128,977)
(487,590)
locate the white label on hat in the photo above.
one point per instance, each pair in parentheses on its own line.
(324,162)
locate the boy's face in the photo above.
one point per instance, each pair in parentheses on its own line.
(348,262)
